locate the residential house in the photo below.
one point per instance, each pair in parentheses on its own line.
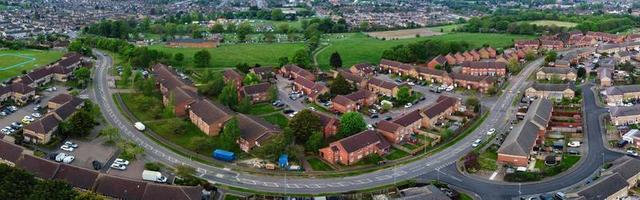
(562,63)
(444,107)
(606,37)
(59,100)
(354,101)
(352,149)
(233,76)
(605,76)
(167,79)
(615,95)
(10,153)
(399,130)
(517,146)
(614,183)
(41,131)
(475,54)
(551,44)
(459,58)
(254,131)
(115,186)
(256,93)
(292,71)
(209,116)
(362,69)
(77,176)
(632,137)
(527,44)
(623,56)
(484,54)
(437,61)
(309,88)
(40,168)
(383,87)
(263,72)
(396,67)
(20,93)
(433,75)
(329,123)
(451,59)
(581,42)
(548,73)
(480,83)
(550,91)
(357,80)
(625,115)
(484,68)
(468,56)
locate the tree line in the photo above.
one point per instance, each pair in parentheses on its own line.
(424,50)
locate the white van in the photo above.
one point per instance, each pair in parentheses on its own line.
(139,126)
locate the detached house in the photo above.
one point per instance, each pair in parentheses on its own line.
(257,93)
(354,101)
(444,107)
(550,91)
(548,73)
(483,68)
(605,76)
(209,116)
(517,146)
(352,149)
(254,131)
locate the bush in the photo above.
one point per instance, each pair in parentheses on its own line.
(522,177)
(153,166)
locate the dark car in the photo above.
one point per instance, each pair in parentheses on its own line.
(96,165)
(287,111)
(52,156)
(546,197)
(622,143)
(388,118)
(374,116)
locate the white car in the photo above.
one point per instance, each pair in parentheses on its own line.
(5,131)
(632,153)
(118,166)
(29,118)
(312,108)
(36,115)
(491,131)
(369,126)
(408,105)
(475,144)
(411,83)
(574,144)
(293,114)
(449,89)
(71,144)
(60,157)
(67,148)
(139,126)
(68,159)
(121,161)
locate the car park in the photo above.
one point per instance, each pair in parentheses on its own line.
(118,166)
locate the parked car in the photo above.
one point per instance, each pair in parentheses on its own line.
(491,131)
(632,153)
(68,159)
(96,165)
(36,115)
(25,121)
(13,108)
(3,113)
(118,166)
(574,144)
(121,161)
(288,111)
(38,107)
(29,118)
(60,157)
(476,143)
(408,105)
(388,118)
(276,102)
(374,116)
(293,114)
(71,144)
(67,148)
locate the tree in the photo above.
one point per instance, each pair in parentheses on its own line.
(282,61)
(243,67)
(146,86)
(229,136)
(178,57)
(243,30)
(273,93)
(276,145)
(52,189)
(404,95)
(335,60)
(83,75)
(582,72)
(351,123)
(185,171)
(302,59)
(513,66)
(244,106)
(340,86)
(213,87)
(89,196)
(229,96)
(202,58)
(315,142)
(551,56)
(529,56)
(217,28)
(283,28)
(80,123)
(277,15)
(269,37)
(302,125)
(251,79)
(474,103)
(15,183)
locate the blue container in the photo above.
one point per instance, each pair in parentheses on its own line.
(223,155)
(283,160)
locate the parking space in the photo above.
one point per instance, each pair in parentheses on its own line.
(28,110)
(133,171)
(88,151)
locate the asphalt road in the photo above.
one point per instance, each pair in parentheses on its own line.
(439,165)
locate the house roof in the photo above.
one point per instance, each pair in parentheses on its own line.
(466,77)
(262,70)
(364,67)
(442,103)
(625,111)
(626,166)
(426,70)
(325,119)
(603,187)
(388,126)
(484,64)
(168,77)
(539,112)
(163,191)
(382,84)
(5,90)
(65,111)
(359,95)
(622,89)
(520,140)
(342,100)
(76,176)
(232,75)
(61,98)
(396,64)
(363,139)
(557,70)
(182,96)
(70,59)
(44,125)
(408,118)
(253,128)
(256,89)
(304,82)
(21,88)
(350,76)
(39,73)
(429,192)
(211,112)
(440,59)
(297,70)
(59,69)
(10,152)
(551,87)
(40,168)
(121,188)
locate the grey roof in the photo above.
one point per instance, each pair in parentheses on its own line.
(603,187)
(540,112)
(429,192)
(622,89)
(10,152)
(557,70)
(520,140)
(626,166)
(625,111)
(551,87)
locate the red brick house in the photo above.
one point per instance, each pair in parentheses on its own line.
(352,149)
(209,116)
(481,83)
(396,67)
(468,56)
(359,81)
(606,37)
(329,124)
(475,54)
(234,77)
(180,99)
(484,68)
(311,89)
(438,60)
(362,69)
(354,101)
(517,146)
(551,44)
(382,87)
(292,71)
(451,59)
(441,109)
(263,72)
(254,131)
(167,79)
(527,44)
(399,130)
(257,93)
(459,58)
(433,75)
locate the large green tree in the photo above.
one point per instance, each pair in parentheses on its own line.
(82,75)
(243,30)
(202,58)
(302,59)
(229,95)
(251,79)
(335,60)
(351,123)
(404,95)
(551,56)
(52,189)
(213,86)
(340,86)
(302,125)
(15,183)
(81,123)
(315,142)
(277,15)
(229,136)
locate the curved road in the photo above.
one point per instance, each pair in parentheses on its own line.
(438,165)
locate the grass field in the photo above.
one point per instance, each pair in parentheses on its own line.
(357,48)
(552,22)
(405,33)
(231,55)
(13,62)
(318,165)
(445,28)
(277,119)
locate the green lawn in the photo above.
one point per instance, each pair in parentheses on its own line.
(231,197)
(487,160)
(277,119)
(445,28)
(395,154)
(165,128)
(553,22)
(409,146)
(262,108)
(13,62)
(357,48)
(318,165)
(231,55)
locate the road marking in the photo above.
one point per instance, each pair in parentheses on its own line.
(493,175)
(270,184)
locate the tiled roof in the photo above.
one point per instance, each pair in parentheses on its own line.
(256,89)
(350,76)
(21,88)
(551,87)
(622,89)
(442,103)
(44,125)
(76,176)
(557,70)
(163,191)
(342,100)
(520,140)
(168,78)
(297,70)
(41,168)
(626,166)
(408,118)
(625,111)
(603,187)
(211,112)
(232,74)
(382,83)
(253,128)
(360,140)
(10,152)
(61,98)
(388,126)
(426,70)
(484,64)
(121,188)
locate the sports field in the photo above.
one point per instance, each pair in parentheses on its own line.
(553,22)
(13,62)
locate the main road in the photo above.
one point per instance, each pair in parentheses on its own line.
(441,164)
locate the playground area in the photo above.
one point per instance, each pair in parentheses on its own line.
(15,62)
